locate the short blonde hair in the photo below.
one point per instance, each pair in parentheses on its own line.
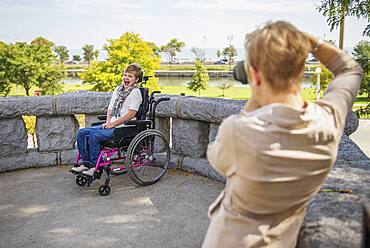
(279,51)
(134,68)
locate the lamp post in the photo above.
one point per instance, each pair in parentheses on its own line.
(318,71)
(204,48)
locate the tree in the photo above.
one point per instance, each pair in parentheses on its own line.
(361,52)
(219,54)
(42,42)
(200,79)
(199,53)
(172,47)
(89,54)
(31,65)
(129,48)
(76,58)
(5,85)
(325,77)
(224,86)
(62,53)
(229,53)
(337,10)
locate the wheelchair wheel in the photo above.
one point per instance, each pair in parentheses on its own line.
(148,156)
(104,190)
(81,181)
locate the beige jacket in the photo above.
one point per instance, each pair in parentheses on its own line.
(275,159)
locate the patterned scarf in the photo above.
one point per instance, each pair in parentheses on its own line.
(122,94)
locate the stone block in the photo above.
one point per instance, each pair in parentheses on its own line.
(352,123)
(56,133)
(349,151)
(189,138)
(68,157)
(13,136)
(90,119)
(26,105)
(82,102)
(332,220)
(32,158)
(167,108)
(201,166)
(207,109)
(213,128)
(163,125)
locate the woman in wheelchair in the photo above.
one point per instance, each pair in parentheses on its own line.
(127,141)
(123,106)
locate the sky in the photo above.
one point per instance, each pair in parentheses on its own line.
(207,23)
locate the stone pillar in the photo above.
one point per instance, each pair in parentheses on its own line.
(190,138)
(56,132)
(90,119)
(163,125)
(213,128)
(13,136)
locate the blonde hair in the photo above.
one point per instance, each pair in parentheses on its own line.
(279,51)
(134,68)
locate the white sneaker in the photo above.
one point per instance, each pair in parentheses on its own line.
(89,172)
(79,168)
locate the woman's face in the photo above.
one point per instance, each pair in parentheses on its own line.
(128,79)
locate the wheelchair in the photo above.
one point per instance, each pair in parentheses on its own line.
(144,154)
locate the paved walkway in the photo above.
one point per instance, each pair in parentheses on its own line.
(362,136)
(44,207)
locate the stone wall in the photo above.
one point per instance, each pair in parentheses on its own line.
(333,218)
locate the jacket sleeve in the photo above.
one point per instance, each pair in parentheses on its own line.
(342,91)
(221,153)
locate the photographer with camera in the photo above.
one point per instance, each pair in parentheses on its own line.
(277,151)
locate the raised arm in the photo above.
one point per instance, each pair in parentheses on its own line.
(342,91)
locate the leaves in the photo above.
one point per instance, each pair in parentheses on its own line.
(337,10)
(128,49)
(30,65)
(361,52)
(172,47)
(200,79)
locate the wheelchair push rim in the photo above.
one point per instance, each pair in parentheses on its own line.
(148,157)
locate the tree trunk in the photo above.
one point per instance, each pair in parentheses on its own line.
(27,91)
(341,30)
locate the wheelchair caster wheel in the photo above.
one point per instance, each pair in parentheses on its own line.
(81,181)
(104,190)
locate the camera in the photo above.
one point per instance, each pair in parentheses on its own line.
(239,73)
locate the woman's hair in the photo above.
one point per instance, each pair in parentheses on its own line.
(279,51)
(135,69)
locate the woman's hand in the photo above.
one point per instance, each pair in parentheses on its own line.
(108,125)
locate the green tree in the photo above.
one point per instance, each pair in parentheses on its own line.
(89,53)
(200,79)
(229,53)
(31,65)
(325,77)
(42,42)
(5,84)
(62,53)
(172,47)
(129,48)
(199,53)
(218,53)
(337,10)
(76,58)
(361,52)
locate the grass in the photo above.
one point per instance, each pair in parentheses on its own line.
(192,67)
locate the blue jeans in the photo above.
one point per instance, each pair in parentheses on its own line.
(97,135)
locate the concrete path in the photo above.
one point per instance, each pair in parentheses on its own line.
(44,207)
(362,136)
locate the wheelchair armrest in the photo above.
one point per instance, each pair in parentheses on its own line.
(102,117)
(97,123)
(138,122)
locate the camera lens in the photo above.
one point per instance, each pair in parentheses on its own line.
(239,73)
